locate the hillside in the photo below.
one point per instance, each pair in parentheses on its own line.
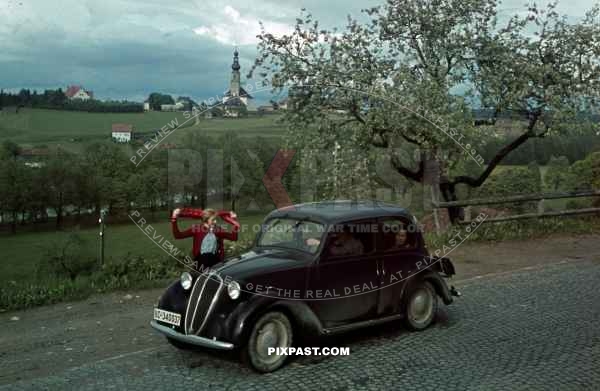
(39,126)
(32,127)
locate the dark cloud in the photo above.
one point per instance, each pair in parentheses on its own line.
(127,49)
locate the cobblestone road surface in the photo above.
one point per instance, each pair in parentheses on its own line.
(535,329)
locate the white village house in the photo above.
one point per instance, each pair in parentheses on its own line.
(122,133)
(178,106)
(77,92)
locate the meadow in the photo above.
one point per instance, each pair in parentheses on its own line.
(25,252)
(35,127)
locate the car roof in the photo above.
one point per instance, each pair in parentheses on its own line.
(334,212)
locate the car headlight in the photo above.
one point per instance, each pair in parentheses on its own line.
(234,290)
(186,280)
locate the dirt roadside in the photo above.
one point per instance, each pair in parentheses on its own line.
(55,338)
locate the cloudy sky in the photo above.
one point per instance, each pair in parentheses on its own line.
(125,49)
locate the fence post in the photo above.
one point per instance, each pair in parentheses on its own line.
(102,222)
(540,207)
(467,218)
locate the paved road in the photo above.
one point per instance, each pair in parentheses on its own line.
(531,329)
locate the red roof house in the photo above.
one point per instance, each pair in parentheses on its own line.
(77,92)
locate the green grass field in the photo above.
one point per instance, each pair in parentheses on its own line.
(22,253)
(38,126)
(266,126)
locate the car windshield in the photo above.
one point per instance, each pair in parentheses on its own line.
(292,233)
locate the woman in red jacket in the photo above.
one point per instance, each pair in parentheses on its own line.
(200,231)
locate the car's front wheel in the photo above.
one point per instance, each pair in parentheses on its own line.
(420,306)
(271,331)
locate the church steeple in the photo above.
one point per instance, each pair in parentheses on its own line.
(234,84)
(235,100)
(236,65)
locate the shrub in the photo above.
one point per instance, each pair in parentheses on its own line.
(236,248)
(521,230)
(556,177)
(30,294)
(513,181)
(68,257)
(578,203)
(585,174)
(134,270)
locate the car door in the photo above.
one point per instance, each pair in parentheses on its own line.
(398,260)
(349,281)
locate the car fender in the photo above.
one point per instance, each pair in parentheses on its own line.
(434,279)
(173,298)
(241,319)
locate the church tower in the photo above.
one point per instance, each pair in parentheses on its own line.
(236,99)
(234,84)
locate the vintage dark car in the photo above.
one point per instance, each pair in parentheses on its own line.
(315,269)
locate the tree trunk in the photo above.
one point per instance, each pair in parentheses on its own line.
(13,223)
(203,187)
(58,217)
(203,200)
(448,191)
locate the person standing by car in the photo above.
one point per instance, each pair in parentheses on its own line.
(207,247)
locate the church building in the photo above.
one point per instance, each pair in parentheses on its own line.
(236,101)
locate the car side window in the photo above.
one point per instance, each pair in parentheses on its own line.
(351,239)
(311,235)
(398,234)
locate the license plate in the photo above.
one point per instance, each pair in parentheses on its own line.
(167,317)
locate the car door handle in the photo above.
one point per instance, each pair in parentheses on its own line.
(380,270)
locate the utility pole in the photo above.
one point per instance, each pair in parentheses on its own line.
(101,221)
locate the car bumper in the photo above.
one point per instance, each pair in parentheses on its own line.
(191,339)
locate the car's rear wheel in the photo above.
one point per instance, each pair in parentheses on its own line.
(271,330)
(420,306)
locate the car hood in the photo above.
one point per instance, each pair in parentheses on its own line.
(261,261)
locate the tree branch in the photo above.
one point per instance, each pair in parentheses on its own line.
(410,140)
(416,176)
(530,133)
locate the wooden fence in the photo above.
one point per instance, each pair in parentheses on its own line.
(539,197)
